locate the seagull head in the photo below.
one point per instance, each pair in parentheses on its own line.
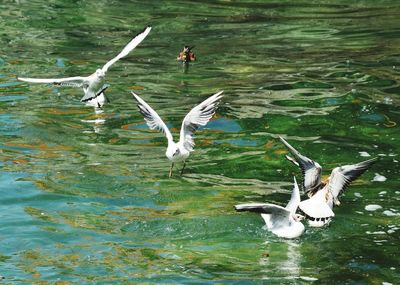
(298,217)
(172,151)
(177,152)
(100,73)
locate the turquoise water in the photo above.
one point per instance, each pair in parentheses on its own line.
(85,197)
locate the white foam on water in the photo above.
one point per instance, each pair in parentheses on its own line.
(96,121)
(307,278)
(372,207)
(358,195)
(375,233)
(379,178)
(364,153)
(390,213)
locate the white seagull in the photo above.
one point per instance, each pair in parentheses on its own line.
(323,195)
(93,85)
(198,116)
(283,222)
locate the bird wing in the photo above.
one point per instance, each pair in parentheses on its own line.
(279,215)
(310,169)
(294,199)
(91,95)
(316,206)
(152,119)
(342,176)
(128,48)
(198,116)
(76,81)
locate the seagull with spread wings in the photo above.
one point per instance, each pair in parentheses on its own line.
(281,221)
(198,116)
(323,195)
(93,85)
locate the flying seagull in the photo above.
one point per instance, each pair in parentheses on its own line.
(93,85)
(198,116)
(283,222)
(323,195)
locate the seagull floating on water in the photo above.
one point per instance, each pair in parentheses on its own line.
(93,85)
(323,195)
(283,222)
(198,116)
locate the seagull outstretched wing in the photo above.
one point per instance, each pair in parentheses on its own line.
(311,170)
(152,119)
(128,48)
(76,81)
(279,215)
(342,176)
(198,116)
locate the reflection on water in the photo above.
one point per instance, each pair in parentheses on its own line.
(86,196)
(284,258)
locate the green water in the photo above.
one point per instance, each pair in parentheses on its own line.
(85,197)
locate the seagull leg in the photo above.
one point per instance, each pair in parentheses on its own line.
(170,170)
(184,164)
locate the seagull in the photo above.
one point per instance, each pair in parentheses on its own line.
(93,85)
(198,116)
(323,195)
(283,222)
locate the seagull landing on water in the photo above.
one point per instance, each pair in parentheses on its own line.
(93,85)
(283,222)
(323,195)
(198,116)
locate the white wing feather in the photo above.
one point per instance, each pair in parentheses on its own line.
(128,48)
(76,81)
(198,116)
(279,215)
(311,170)
(316,206)
(152,119)
(342,176)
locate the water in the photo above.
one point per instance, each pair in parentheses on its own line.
(85,197)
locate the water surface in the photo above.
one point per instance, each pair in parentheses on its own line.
(85,197)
